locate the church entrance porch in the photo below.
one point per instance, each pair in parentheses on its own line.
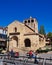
(13,43)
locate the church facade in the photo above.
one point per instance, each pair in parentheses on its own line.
(24,36)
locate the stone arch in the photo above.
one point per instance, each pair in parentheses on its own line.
(27,42)
(14,40)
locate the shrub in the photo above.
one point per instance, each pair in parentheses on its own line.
(42,51)
(39,50)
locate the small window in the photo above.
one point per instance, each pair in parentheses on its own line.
(15,29)
(32,20)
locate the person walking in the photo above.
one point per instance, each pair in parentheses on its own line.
(12,53)
(30,54)
(35,59)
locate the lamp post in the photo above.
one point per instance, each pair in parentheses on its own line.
(8,43)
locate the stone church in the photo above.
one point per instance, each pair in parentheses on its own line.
(24,36)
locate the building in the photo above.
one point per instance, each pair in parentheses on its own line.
(47,41)
(24,36)
(3,37)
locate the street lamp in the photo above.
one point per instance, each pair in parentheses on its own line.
(8,39)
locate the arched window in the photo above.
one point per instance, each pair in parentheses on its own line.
(27,43)
(15,29)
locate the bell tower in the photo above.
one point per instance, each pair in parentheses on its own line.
(32,23)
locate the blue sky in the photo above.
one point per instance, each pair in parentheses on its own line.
(11,10)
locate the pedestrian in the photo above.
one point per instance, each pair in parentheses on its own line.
(30,54)
(8,55)
(12,53)
(35,59)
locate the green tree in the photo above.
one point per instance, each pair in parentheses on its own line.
(49,35)
(42,30)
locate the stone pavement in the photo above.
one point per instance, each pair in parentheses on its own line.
(15,61)
(46,55)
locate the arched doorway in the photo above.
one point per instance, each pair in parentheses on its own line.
(14,41)
(27,42)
